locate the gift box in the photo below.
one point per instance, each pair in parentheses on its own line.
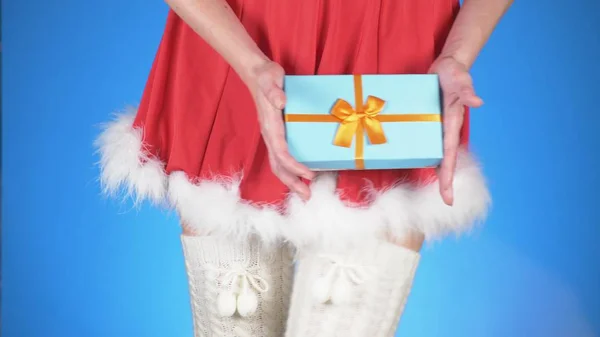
(358,122)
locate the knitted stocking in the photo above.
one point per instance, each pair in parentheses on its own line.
(351,294)
(237,290)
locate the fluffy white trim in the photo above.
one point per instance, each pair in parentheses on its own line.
(124,166)
(214,206)
(326,221)
(471,202)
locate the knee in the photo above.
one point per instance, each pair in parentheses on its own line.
(187,230)
(412,240)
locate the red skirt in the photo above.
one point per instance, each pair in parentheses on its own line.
(195,143)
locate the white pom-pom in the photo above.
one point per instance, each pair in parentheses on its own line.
(321,290)
(340,292)
(226,304)
(247,303)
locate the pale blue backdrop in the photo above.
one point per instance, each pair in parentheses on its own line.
(75,264)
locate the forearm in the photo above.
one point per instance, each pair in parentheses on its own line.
(217,24)
(472,28)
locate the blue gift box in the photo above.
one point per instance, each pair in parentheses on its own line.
(349,122)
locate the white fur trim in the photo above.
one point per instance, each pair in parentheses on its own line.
(214,206)
(326,221)
(124,166)
(471,202)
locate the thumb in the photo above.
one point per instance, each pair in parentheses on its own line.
(274,95)
(469,98)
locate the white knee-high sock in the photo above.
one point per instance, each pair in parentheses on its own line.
(351,294)
(237,290)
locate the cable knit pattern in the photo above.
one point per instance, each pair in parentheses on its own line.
(216,267)
(351,294)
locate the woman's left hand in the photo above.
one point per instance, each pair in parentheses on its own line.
(457,92)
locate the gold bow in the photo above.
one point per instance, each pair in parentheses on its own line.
(354,121)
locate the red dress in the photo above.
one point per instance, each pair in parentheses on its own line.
(195,141)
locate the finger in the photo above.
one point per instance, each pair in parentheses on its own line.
(271,85)
(274,135)
(466,93)
(279,75)
(271,119)
(294,184)
(292,165)
(452,124)
(472,101)
(275,96)
(468,97)
(281,154)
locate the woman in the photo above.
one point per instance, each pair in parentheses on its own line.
(208,139)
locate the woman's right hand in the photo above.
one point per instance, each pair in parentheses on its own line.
(265,83)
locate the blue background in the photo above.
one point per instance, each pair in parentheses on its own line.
(75,264)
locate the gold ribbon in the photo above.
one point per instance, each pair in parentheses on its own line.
(355,121)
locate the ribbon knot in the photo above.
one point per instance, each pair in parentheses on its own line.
(353,121)
(247,279)
(335,285)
